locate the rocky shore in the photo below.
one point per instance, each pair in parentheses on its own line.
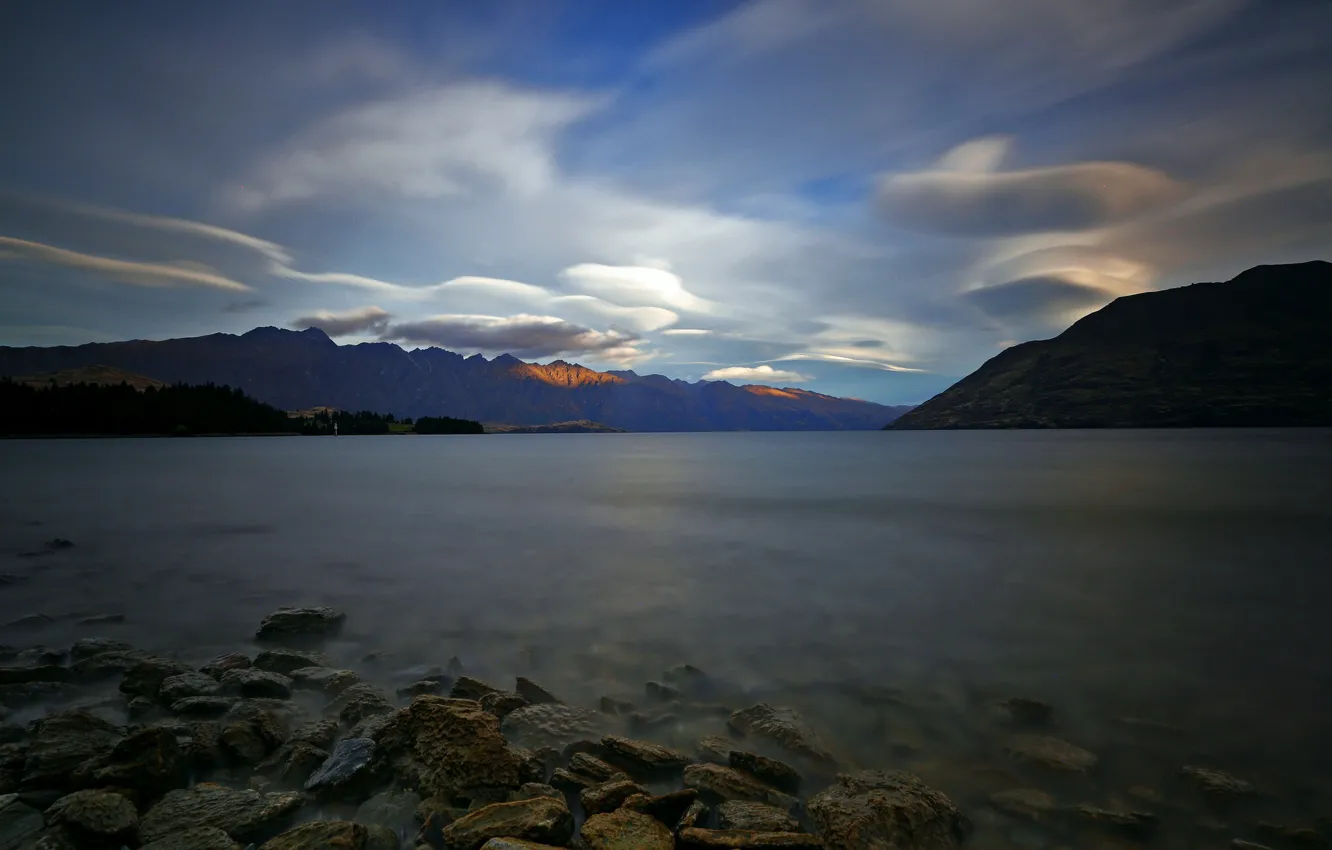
(283,749)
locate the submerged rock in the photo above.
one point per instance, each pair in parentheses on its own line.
(1216,783)
(1050,752)
(348,769)
(421,687)
(292,763)
(327,834)
(608,796)
(244,815)
(552,724)
(784,727)
(296,623)
(873,809)
(626,830)
(540,819)
(714,749)
(661,692)
(252,730)
(24,674)
(535,789)
(285,661)
(756,817)
(329,680)
(203,706)
(393,809)
(725,783)
(1024,802)
(61,743)
(1028,712)
(1135,824)
(641,757)
(779,775)
(94,818)
(742,839)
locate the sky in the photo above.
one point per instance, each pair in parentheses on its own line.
(866,198)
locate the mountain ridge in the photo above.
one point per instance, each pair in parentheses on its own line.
(295,370)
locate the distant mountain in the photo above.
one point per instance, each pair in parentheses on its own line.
(581,426)
(99,376)
(296,370)
(1252,351)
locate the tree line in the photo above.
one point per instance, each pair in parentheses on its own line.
(183,409)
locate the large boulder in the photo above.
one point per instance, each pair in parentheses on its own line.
(61,743)
(693,838)
(641,758)
(149,761)
(334,835)
(200,838)
(725,783)
(872,809)
(349,770)
(300,624)
(94,818)
(244,815)
(626,830)
(784,727)
(453,744)
(553,724)
(540,819)
(759,817)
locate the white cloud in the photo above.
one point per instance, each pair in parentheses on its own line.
(754,374)
(686,332)
(123,271)
(638,318)
(634,285)
(359,320)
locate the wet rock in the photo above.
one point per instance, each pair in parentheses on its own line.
(872,809)
(422,687)
(740,839)
(784,727)
(714,749)
(393,809)
(640,758)
(667,808)
(1216,783)
(286,624)
(514,844)
(326,679)
(94,818)
(552,724)
(369,727)
(503,703)
(348,770)
(532,692)
(689,679)
(756,817)
(17,696)
(18,822)
(319,733)
(725,783)
(203,706)
(244,815)
(109,664)
(292,764)
(201,742)
(662,692)
(359,702)
(328,834)
(693,816)
(145,678)
(532,766)
(779,775)
(626,830)
(616,707)
(465,687)
(608,796)
(1050,752)
(61,743)
(1024,802)
(186,685)
(567,780)
(37,673)
(1139,825)
(284,661)
(257,683)
(586,764)
(201,838)
(252,730)
(85,648)
(221,664)
(457,745)
(150,761)
(540,819)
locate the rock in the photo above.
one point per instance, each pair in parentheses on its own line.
(109,664)
(567,780)
(540,819)
(150,761)
(1024,802)
(640,758)
(784,727)
(714,749)
(648,724)
(347,770)
(61,743)
(608,796)
(457,745)
(725,783)
(201,838)
(532,766)
(661,692)
(359,702)
(872,809)
(292,764)
(740,839)
(369,727)
(514,844)
(58,543)
(223,663)
(667,808)
(244,815)
(88,647)
(532,692)
(530,790)
(186,685)
(35,673)
(327,679)
(689,679)
(552,724)
(394,809)
(145,677)
(319,733)
(1028,712)
(252,730)
(1138,825)
(94,818)
(755,817)
(626,830)
(18,822)
(423,687)
(502,703)
(1215,783)
(284,661)
(330,834)
(586,764)
(203,706)
(465,687)
(693,816)
(1050,752)
(286,624)
(779,775)
(251,682)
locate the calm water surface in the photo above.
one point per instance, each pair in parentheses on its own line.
(1182,577)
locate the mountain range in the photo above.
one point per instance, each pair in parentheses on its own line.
(1252,351)
(304,369)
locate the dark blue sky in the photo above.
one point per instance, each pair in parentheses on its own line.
(861,197)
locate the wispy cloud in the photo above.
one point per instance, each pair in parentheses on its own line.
(360,320)
(122,271)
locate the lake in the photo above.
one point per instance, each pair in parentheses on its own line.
(893,586)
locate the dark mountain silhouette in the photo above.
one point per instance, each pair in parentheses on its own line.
(1252,351)
(303,369)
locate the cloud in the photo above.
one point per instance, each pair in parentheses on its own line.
(634,285)
(962,198)
(686,332)
(122,271)
(828,357)
(520,335)
(754,374)
(638,318)
(1050,298)
(359,320)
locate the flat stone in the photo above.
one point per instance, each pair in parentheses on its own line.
(319,733)
(358,702)
(223,663)
(1050,752)
(348,768)
(61,743)
(201,838)
(540,819)
(872,808)
(252,682)
(641,757)
(693,816)
(741,839)
(755,817)
(1216,783)
(515,844)
(725,783)
(331,835)
(244,815)
(626,830)
(586,764)
(109,664)
(784,727)
(297,623)
(94,818)
(186,685)
(422,687)
(503,703)
(528,790)
(714,749)
(569,781)
(1135,824)
(1024,802)
(102,620)
(552,724)
(608,796)
(778,774)
(532,692)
